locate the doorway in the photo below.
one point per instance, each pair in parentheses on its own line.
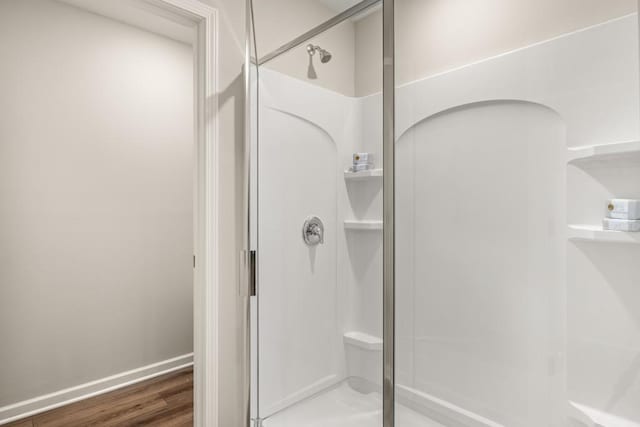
(111,199)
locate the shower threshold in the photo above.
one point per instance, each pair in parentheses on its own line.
(342,406)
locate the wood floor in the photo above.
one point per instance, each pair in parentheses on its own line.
(162,401)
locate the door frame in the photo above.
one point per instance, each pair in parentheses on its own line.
(206,295)
(206,252)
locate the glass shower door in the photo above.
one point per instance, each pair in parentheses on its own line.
(318,310)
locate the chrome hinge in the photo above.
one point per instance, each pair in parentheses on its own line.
(248,274)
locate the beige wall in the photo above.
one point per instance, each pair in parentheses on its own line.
(433,36)
(96,161)
(338,74)
(280,21)
(368,65)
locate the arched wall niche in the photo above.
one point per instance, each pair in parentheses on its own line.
(480,291)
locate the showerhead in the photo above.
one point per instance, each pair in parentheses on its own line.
(325,55)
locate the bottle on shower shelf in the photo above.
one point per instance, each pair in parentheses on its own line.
(362,162)
(622,215)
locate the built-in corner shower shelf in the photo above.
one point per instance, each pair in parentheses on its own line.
(604,152)
(362,175)
(594,233)
(363,225)
(362,340)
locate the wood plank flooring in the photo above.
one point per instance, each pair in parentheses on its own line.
(162,401)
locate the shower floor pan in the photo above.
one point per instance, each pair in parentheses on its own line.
(343,406)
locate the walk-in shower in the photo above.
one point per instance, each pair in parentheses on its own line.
(429,213)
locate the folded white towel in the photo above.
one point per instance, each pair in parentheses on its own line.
(623,209)
(361,167)
(621,224)
(362,158)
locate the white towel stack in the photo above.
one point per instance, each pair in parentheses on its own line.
(622,215)
(362,162)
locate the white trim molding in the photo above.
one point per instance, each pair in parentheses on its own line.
(69,395)
(206,210)
(206,221)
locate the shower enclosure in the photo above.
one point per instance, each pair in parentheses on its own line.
(427,183)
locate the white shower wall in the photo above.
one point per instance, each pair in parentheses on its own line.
(497,333)
(483,198)
(304,131)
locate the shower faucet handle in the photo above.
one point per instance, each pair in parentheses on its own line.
(313,231)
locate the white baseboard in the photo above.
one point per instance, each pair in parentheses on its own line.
(39,404)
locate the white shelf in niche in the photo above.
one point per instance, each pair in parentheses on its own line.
(362,175)
(362,225)
(362,340)
(603,151)
(595,233)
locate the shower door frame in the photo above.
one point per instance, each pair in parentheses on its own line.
(248,257)
(388,213)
